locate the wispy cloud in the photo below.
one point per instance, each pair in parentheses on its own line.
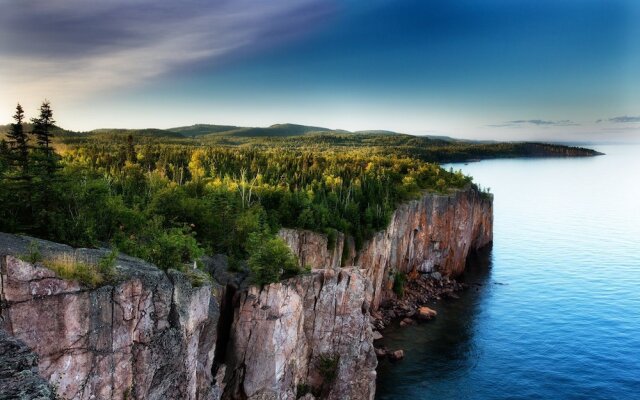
(74,47)
(534,122)
(621,120)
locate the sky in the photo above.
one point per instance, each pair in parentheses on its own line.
(561,70)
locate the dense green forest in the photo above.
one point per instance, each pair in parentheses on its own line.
(169,196)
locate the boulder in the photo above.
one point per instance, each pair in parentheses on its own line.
(426,313)
(396,355)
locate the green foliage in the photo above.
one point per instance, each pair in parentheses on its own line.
(66,266)
(270,259)
(399,280)
(170,196)
(166,248)
(332,238)
(33,254)
(327,364)
(107,264)
(197,277)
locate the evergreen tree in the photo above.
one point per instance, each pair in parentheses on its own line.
(43,131)
(18,144)
(17,185)
(4,157)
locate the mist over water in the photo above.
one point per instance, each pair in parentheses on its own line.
(553,311)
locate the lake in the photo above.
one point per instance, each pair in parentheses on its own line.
(553,309)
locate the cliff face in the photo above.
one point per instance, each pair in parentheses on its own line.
(151,336)
(311,331)
(313,249)
(19,378)
(434,233)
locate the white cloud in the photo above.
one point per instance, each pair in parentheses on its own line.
(68,49)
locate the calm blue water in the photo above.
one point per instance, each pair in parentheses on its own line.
(555,309)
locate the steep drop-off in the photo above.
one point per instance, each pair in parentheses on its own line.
(435,233)
(150,336)
(311,332)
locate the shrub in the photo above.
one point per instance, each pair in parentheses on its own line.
(270,259)
(327,364)
(197,277)
(172,248)
(33,254)
(332,238)
(107,264)
(399,279)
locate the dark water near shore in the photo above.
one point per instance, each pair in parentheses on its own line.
(554,307)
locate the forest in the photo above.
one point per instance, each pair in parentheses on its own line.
(171,196)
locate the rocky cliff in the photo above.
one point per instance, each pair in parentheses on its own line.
(432,234)
(435,233)
(150,336)
(19,378)
(314,249)
(308,334)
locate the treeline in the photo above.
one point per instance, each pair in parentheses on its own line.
(170,203)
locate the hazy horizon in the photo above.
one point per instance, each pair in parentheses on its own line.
(560,71)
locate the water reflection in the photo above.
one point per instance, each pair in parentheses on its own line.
(556,311)
(445,344)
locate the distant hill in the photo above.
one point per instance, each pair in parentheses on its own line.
(203,129)
(148,132)
(278,130)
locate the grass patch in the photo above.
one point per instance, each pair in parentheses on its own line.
(66,266)
(197,277)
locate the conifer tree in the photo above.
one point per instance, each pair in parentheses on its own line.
(42,130)
(18,144)
(17,185)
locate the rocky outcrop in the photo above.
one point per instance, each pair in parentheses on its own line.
(149,336)
(433,234)
(152,335)
(310,333)
(19,379)
(314,249)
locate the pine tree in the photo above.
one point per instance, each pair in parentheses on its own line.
(42,130)
(18,183)
(4,157)
(18,144)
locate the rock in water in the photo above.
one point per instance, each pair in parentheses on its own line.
(396,355)
(426,313)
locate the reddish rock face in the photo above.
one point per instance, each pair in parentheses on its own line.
(435,233)
(151,336)
(312,248)
(282,332)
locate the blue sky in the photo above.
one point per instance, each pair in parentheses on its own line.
(501,69)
